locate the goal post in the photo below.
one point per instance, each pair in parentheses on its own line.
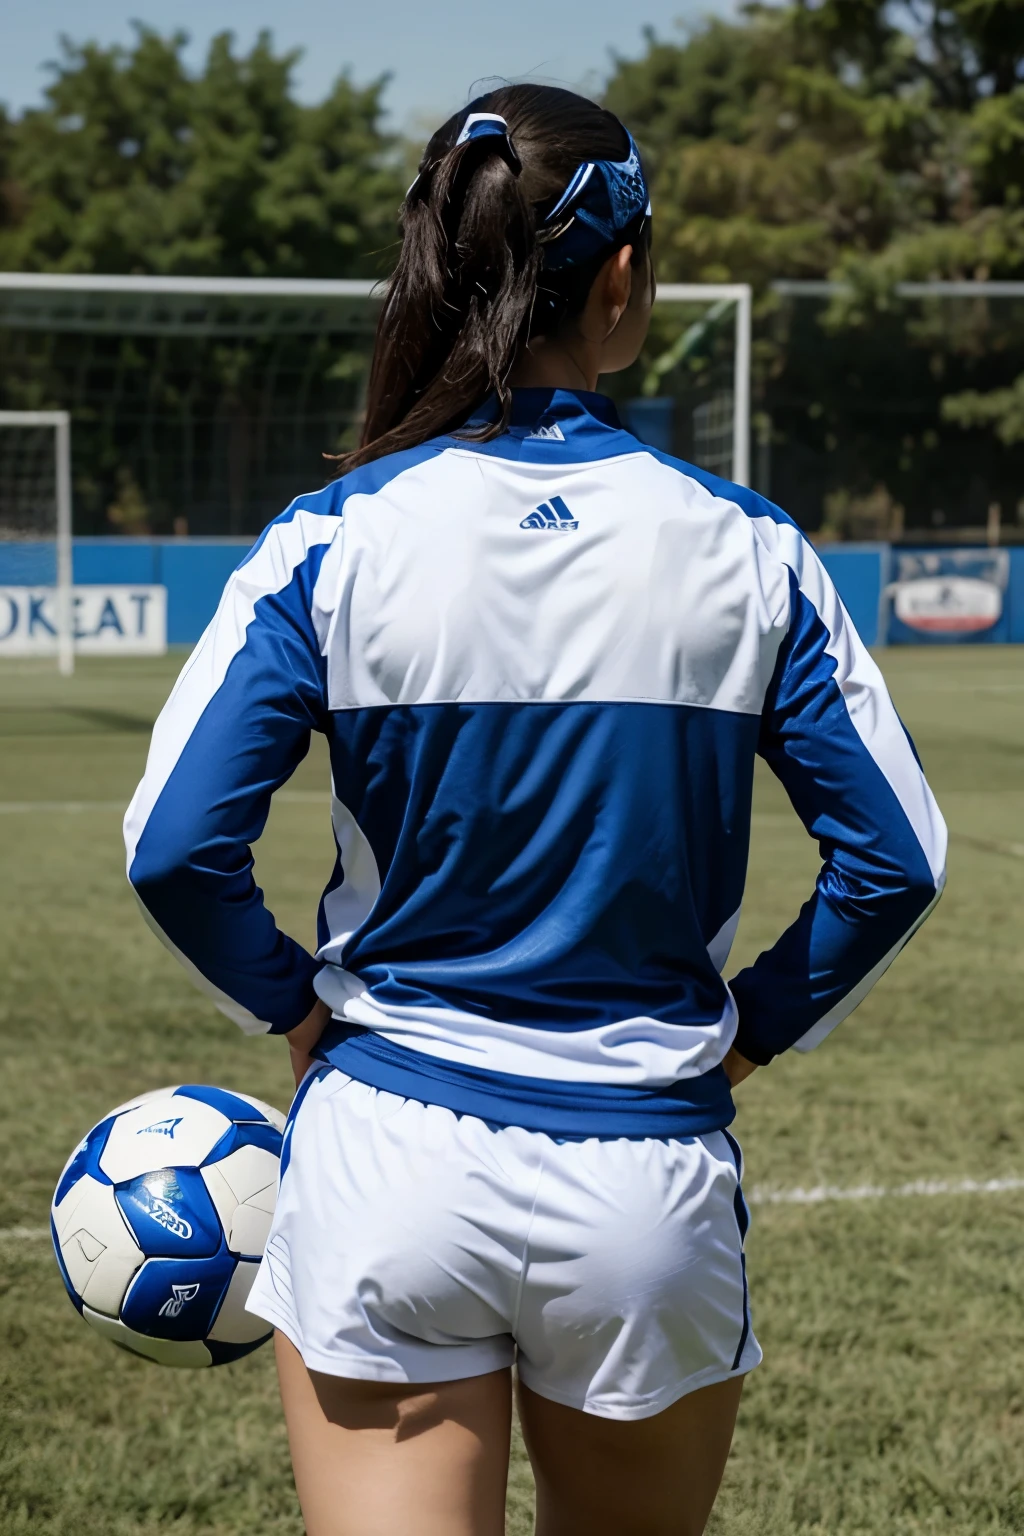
(738,296)
(35,514)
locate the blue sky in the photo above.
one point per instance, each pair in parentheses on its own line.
(435,49)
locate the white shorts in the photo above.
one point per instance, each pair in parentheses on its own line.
(412,1244)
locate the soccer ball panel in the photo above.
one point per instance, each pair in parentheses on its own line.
(234,1325)
(85,1159)
(171,1214)
(240,1107)
(257,1134)
(250,1228)
(68,1285)
(99,1253)
(275,1116)
(81,1193)
(187,1353)
(250,1173)
(177,1298)
(163,1133)
(220,1192)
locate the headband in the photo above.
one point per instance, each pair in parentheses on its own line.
(488,125)
(604,201)
(605,204)
(484,128)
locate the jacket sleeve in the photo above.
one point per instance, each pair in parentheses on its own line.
(830,733)
(235,727)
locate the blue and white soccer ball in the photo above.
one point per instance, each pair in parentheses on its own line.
(160,1219)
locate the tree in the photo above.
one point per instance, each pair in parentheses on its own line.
(133,165)
(875,143)
(855,138)
(136,165)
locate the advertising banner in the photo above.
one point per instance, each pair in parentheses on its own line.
(108,620)
(948,595)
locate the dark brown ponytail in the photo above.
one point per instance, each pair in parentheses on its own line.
(464,296)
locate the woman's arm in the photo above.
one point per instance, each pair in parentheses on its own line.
(235,727)
(303,1038)
(831,734)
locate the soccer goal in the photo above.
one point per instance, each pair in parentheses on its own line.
(706,363)
(35,535)
(202,404)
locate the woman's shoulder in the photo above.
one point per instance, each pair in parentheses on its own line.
(368,479)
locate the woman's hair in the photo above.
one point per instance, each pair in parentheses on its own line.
(470,287)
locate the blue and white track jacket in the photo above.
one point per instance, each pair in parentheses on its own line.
(544,667)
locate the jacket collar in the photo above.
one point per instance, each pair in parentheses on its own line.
(535,409)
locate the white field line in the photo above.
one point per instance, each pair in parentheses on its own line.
(819,1194)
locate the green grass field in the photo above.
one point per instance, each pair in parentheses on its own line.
(891,1399)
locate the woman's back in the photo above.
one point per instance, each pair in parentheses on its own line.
(544,665)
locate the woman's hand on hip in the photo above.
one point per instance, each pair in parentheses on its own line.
(737,1067)
(304,1037)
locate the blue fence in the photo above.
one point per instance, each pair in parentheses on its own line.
(194,572)
(863,572)
(858,571)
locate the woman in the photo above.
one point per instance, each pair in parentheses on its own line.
(544,657)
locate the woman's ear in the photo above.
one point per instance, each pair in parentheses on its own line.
(618,275)
(624,311)
(608,298)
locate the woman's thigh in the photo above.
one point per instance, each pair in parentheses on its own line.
(376,1458)
(643,1477)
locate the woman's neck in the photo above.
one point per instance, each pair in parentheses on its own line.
(566,363)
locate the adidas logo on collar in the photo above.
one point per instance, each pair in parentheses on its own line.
(553,515)
(552,430)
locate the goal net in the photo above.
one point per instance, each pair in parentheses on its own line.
(36,608)
(689,392)
(202,406)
